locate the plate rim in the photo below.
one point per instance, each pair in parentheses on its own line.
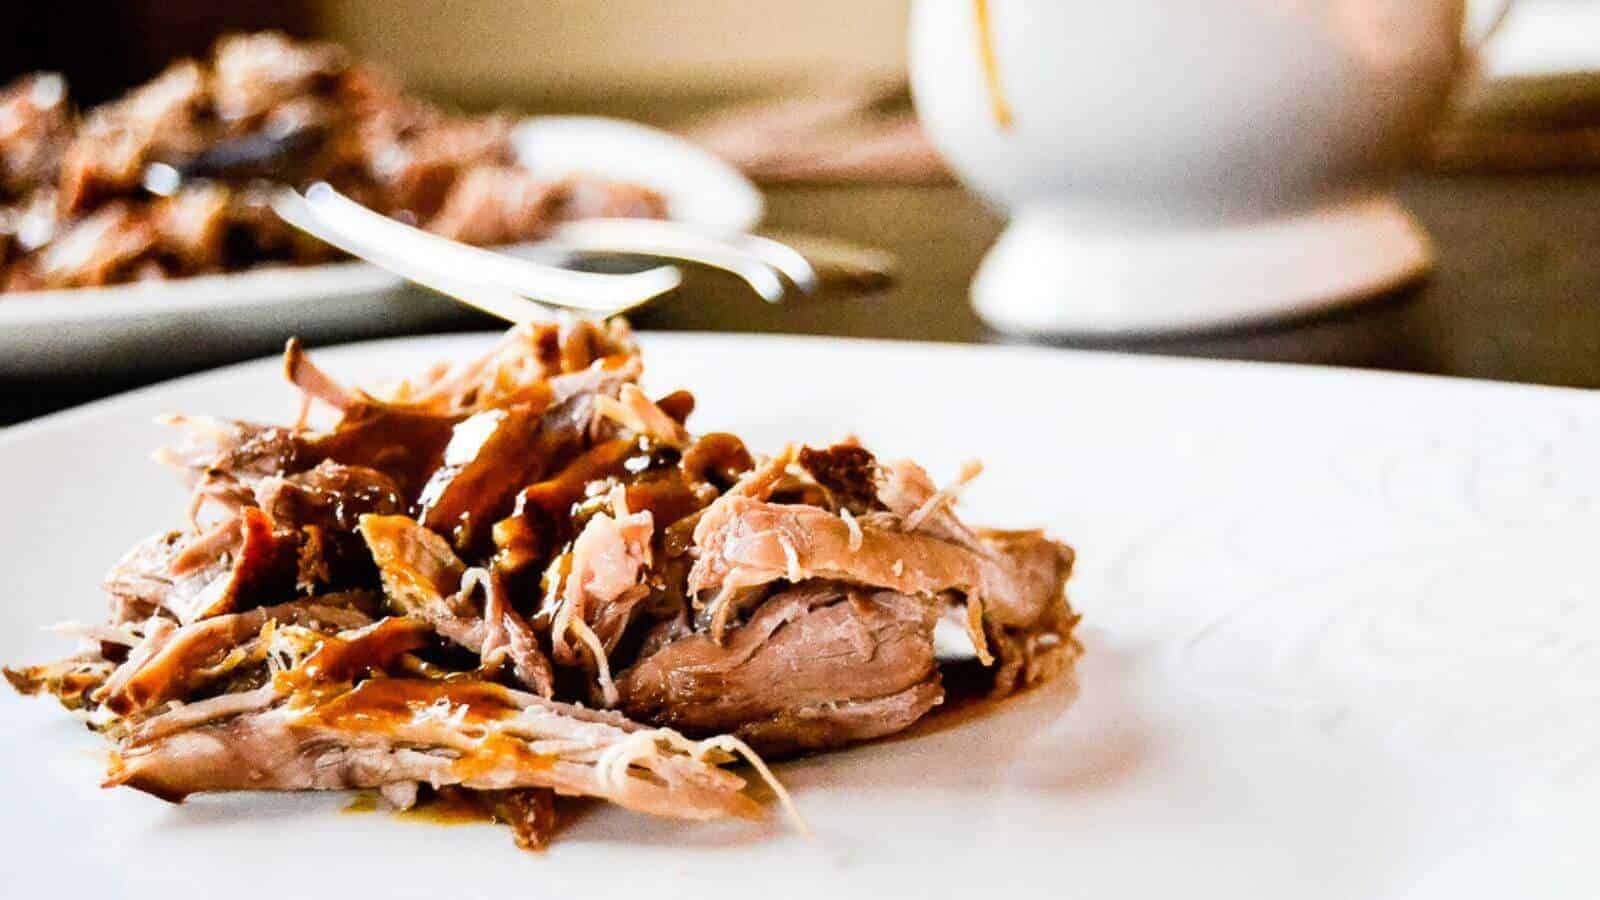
(70,416)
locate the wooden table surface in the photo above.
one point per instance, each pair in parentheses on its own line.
(1516,296)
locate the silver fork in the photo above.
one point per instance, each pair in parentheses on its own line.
(521,290)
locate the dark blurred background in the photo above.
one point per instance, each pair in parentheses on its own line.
(105,47)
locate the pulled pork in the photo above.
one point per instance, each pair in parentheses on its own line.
(518,577)
(174,179)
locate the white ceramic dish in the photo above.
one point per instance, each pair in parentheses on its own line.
(1546,38)
(1340,635)
(1180,166)
(191,321)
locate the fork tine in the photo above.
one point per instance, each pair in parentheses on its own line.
(784,258)
(594,292)
(673,240)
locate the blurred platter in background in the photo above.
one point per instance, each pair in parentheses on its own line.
(162,325)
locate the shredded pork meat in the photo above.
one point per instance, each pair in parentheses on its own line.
(819,665)
(519,576)
(173,179)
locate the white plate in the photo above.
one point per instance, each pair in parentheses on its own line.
(213,318)
(1341,639)
(1544,38)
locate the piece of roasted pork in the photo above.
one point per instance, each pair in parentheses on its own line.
(519,576)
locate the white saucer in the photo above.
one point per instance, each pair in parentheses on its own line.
(1055,274)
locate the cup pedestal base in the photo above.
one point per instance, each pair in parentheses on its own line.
(1051,274)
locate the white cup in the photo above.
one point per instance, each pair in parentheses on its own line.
(1183,164)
